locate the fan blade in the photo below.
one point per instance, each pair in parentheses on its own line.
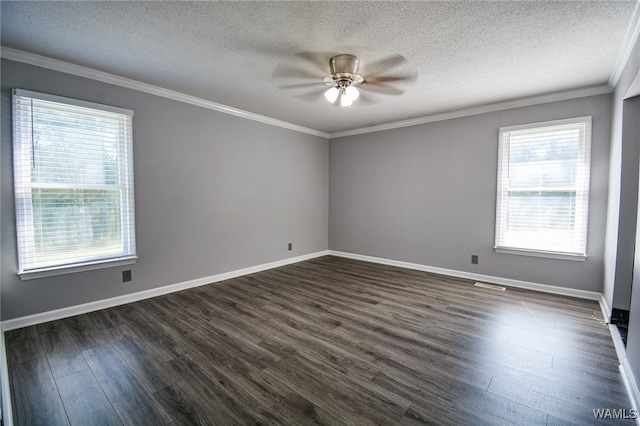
(384,89)
(382,65)
(380,77)
(388,79)
(365,99)
(319,60)
(311,95)
(288,72)
(328,81)
(309,85)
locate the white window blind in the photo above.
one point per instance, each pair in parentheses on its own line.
(543,188)
(73,176)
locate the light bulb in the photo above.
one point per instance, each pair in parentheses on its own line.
(345,100)
(332,94)
(352,93)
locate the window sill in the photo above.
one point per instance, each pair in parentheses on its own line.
(546,254)
(71,269)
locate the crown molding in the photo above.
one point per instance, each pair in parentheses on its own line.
(80,71)
(104,77)
(482,109)
(630,39)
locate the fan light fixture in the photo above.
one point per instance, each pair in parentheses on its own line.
(347,95)
(344,76)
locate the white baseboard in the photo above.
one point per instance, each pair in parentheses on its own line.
(605,308)
(545,288)
(146,294)
(628,378)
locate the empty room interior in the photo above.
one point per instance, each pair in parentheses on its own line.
(320,213)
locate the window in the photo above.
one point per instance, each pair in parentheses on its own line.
(543,189)
(73,176)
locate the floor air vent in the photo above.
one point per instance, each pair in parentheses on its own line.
(490,286)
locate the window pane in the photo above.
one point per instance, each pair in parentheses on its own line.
(543,186)
(554,210)
(554,222)
(544,174)
(71,147)
(75,223)
(73,174)
(545,146)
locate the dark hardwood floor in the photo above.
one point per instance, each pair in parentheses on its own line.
(328,341)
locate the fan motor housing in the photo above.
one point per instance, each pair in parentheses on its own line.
(344,69)
(344,64)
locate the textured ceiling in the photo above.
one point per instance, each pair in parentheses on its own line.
(466,54)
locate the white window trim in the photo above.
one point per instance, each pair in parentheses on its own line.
(72,269)
(579,257)
(541,253)
(72,101)
(89,265)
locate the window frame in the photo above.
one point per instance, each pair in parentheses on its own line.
(24,205)
(582,190)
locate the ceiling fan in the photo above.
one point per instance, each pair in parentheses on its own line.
(307,75)
(344,79)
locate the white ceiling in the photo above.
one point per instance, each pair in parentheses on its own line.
(466,54)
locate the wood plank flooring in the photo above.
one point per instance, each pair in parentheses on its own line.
(329,341)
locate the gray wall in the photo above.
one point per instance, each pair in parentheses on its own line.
(622,277)
(213,192)
(623,194)
(627,218)
(426,194)
(633,336)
